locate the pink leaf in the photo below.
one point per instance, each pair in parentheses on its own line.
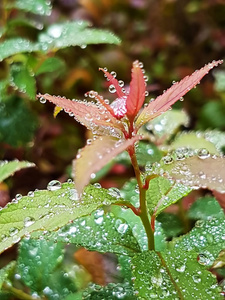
(95,155)
(177,90)
(136,95)
(95,118)
(114,82)
(203,171)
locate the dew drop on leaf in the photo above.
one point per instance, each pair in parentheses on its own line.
(112,88)
(203,153)
(54,185)
(42,100)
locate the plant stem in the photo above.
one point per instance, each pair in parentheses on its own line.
(143,214)
(18,293)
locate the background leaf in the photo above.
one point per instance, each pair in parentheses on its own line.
(39,7)
(205,208)
(76,33)
(48,210)
(51,64)
(16,45)
(17,122)
(8,168)
(23,79)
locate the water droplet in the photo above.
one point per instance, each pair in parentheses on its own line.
(167,159)
(54,185)
(18,197)
(28,221)
(121,83)
(30,194)
(112,88)
(196,278)
(203,259)
(113,73)
(203,153)
(181,269)
(42,100)
(97,185)
(73,195)
(114,192)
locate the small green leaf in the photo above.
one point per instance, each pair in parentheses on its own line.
(112,291)
(39,7)
(216,137)
(173,274)
(63,35)
(168,123)
(16,45)
(36,262)
(22,79)
(207,239)
(99,232)
(5,272)
(147,153)
(17,122)
(193,140)
(8,168)
(162,193)
(48,210)
(51,64)
(220,80)
(205,208)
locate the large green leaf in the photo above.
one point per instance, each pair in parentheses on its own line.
(16,45)
(206,239)
(162,193)
(76,33)
(205,208)
(17,122)
(39,7)
(37,260)
(173,274)
(23,80)
(8,168)
(48,210)
(99,232)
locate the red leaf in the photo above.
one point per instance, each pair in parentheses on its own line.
(136,95)
(96,118)
(178,90)
(114,81)
(95,155)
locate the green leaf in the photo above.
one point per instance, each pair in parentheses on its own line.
(206,239)
(173,274)
(193,140)
(63,35)
(205,208)
(216,137)
(76,296)
(112,291)
(16,45)
(170,224)
(5,272)
(220,81)
(36,262)
(48,210)
(99,232)
(195,169)
(8,168)
(17,122)
(167,124)
(22,79)
(162,193)
(39,7)
(212,116)
(51,64)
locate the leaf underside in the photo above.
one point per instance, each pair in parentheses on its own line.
(95,155)
(173,94)
(198,172)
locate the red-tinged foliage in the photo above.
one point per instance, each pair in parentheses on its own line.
(87,113)
(173,94)
(95,155)
(136,95)
(114,82)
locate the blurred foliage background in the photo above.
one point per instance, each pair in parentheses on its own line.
(171,37)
